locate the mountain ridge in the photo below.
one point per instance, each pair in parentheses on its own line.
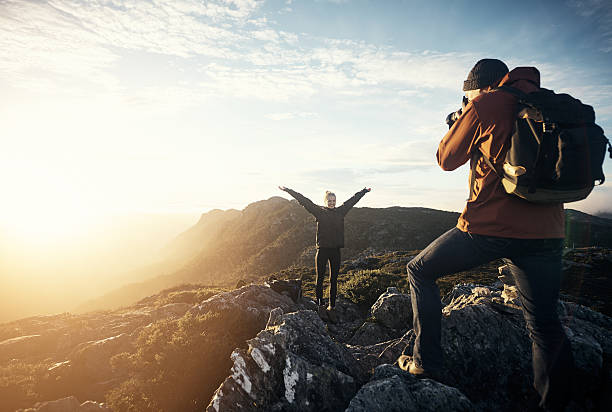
(270,235)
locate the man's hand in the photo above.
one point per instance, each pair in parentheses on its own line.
(283,188)
(367,189)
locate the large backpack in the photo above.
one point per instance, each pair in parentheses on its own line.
(556,151)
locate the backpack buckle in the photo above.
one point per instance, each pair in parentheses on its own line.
(548,127)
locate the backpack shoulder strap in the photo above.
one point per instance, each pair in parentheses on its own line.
(513,91)
(478,154)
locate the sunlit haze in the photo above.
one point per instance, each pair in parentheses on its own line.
(122,121)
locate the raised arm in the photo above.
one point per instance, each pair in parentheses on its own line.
(346,206)
(302,200)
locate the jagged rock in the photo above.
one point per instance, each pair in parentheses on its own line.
(292,365)
(69,404)
(481,291)
(487,351)
(510,295)
(392,389)
(458,290)
(505,275)
(393,310)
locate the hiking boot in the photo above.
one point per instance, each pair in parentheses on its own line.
(406,363)
(331,314)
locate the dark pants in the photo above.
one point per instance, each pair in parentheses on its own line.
(324,255)
(536,267)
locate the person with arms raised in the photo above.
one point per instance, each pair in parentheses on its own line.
(329,240)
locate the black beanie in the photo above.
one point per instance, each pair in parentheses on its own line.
(485,73)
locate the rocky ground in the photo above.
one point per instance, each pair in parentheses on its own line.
(263,347)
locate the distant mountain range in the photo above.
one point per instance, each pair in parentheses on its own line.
(271,235)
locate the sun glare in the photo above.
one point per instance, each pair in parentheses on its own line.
(44,209)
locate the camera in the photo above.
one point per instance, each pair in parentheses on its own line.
(452,117)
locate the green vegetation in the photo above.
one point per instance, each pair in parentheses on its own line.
(363,280)
(178,364)
(363,287)
(19,384)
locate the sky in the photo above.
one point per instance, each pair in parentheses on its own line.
(111,107)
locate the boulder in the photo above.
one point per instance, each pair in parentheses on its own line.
(487,352)
(393,310)
(392,389)
(292,365)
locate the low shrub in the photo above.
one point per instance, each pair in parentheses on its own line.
(179,363)
(365,286)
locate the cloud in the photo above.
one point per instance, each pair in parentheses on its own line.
(289,116)
(59,44)
(85,40)
(49,46)
(599,15)
(274,85)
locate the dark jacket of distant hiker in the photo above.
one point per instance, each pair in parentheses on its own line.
(487,123)
(330,222)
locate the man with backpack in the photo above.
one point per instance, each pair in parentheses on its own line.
(495,224)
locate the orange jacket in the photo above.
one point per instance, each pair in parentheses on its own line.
(486,125)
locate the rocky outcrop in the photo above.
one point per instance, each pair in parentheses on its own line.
(253,302)
(292,365)
(487,351)
(294,362)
